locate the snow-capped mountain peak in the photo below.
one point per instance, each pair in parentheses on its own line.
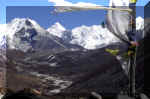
(56,29)
(89,37)
(20,32)
(19,23)
(26,35)
(59,26)
(24,31)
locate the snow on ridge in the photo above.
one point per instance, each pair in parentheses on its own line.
(21,24)
(2,36)
(57,29)
(16,24)
(92,37)
(60,26)
(89,37)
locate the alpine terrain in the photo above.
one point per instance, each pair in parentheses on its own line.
(58,60)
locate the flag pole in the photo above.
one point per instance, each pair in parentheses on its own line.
(81,8)
(100,8)
(132,91)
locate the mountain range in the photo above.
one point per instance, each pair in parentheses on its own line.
(27,34)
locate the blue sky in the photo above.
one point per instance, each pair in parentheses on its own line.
(42,15)
(7,3)
(69,20)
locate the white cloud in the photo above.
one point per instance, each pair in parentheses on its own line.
(61,2)
(66,3)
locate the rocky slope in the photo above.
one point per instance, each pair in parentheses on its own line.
(78,71)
